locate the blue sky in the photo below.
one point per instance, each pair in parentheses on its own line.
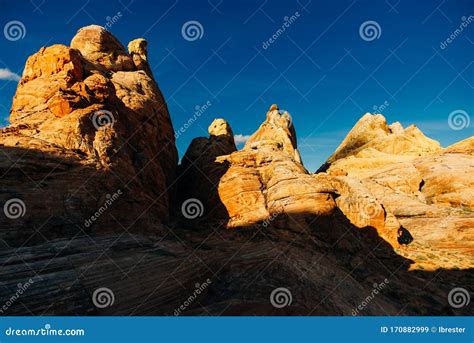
(320,69)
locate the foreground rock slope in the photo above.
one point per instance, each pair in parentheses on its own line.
(93,198)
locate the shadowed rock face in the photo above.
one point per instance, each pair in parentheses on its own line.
(90,154)
(103,125)
(199,173)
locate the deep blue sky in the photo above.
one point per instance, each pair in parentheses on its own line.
(326,89)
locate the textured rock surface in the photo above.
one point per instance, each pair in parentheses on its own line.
(267,184)
(329,271)
(372,135)
(102,50)
(267,181)
(86,123)
(428,189)
(90,155)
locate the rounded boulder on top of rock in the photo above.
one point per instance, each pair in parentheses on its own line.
(101,49)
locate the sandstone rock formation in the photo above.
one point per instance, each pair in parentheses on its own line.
(90,164)
(267,184)
(428,189)
(87,121)
(372,135)
(381,176)
(266,178)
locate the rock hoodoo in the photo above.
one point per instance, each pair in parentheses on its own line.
(266,182)
(88,120)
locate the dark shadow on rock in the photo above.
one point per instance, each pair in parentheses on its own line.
(329,266)
(65,196)
(198,179)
